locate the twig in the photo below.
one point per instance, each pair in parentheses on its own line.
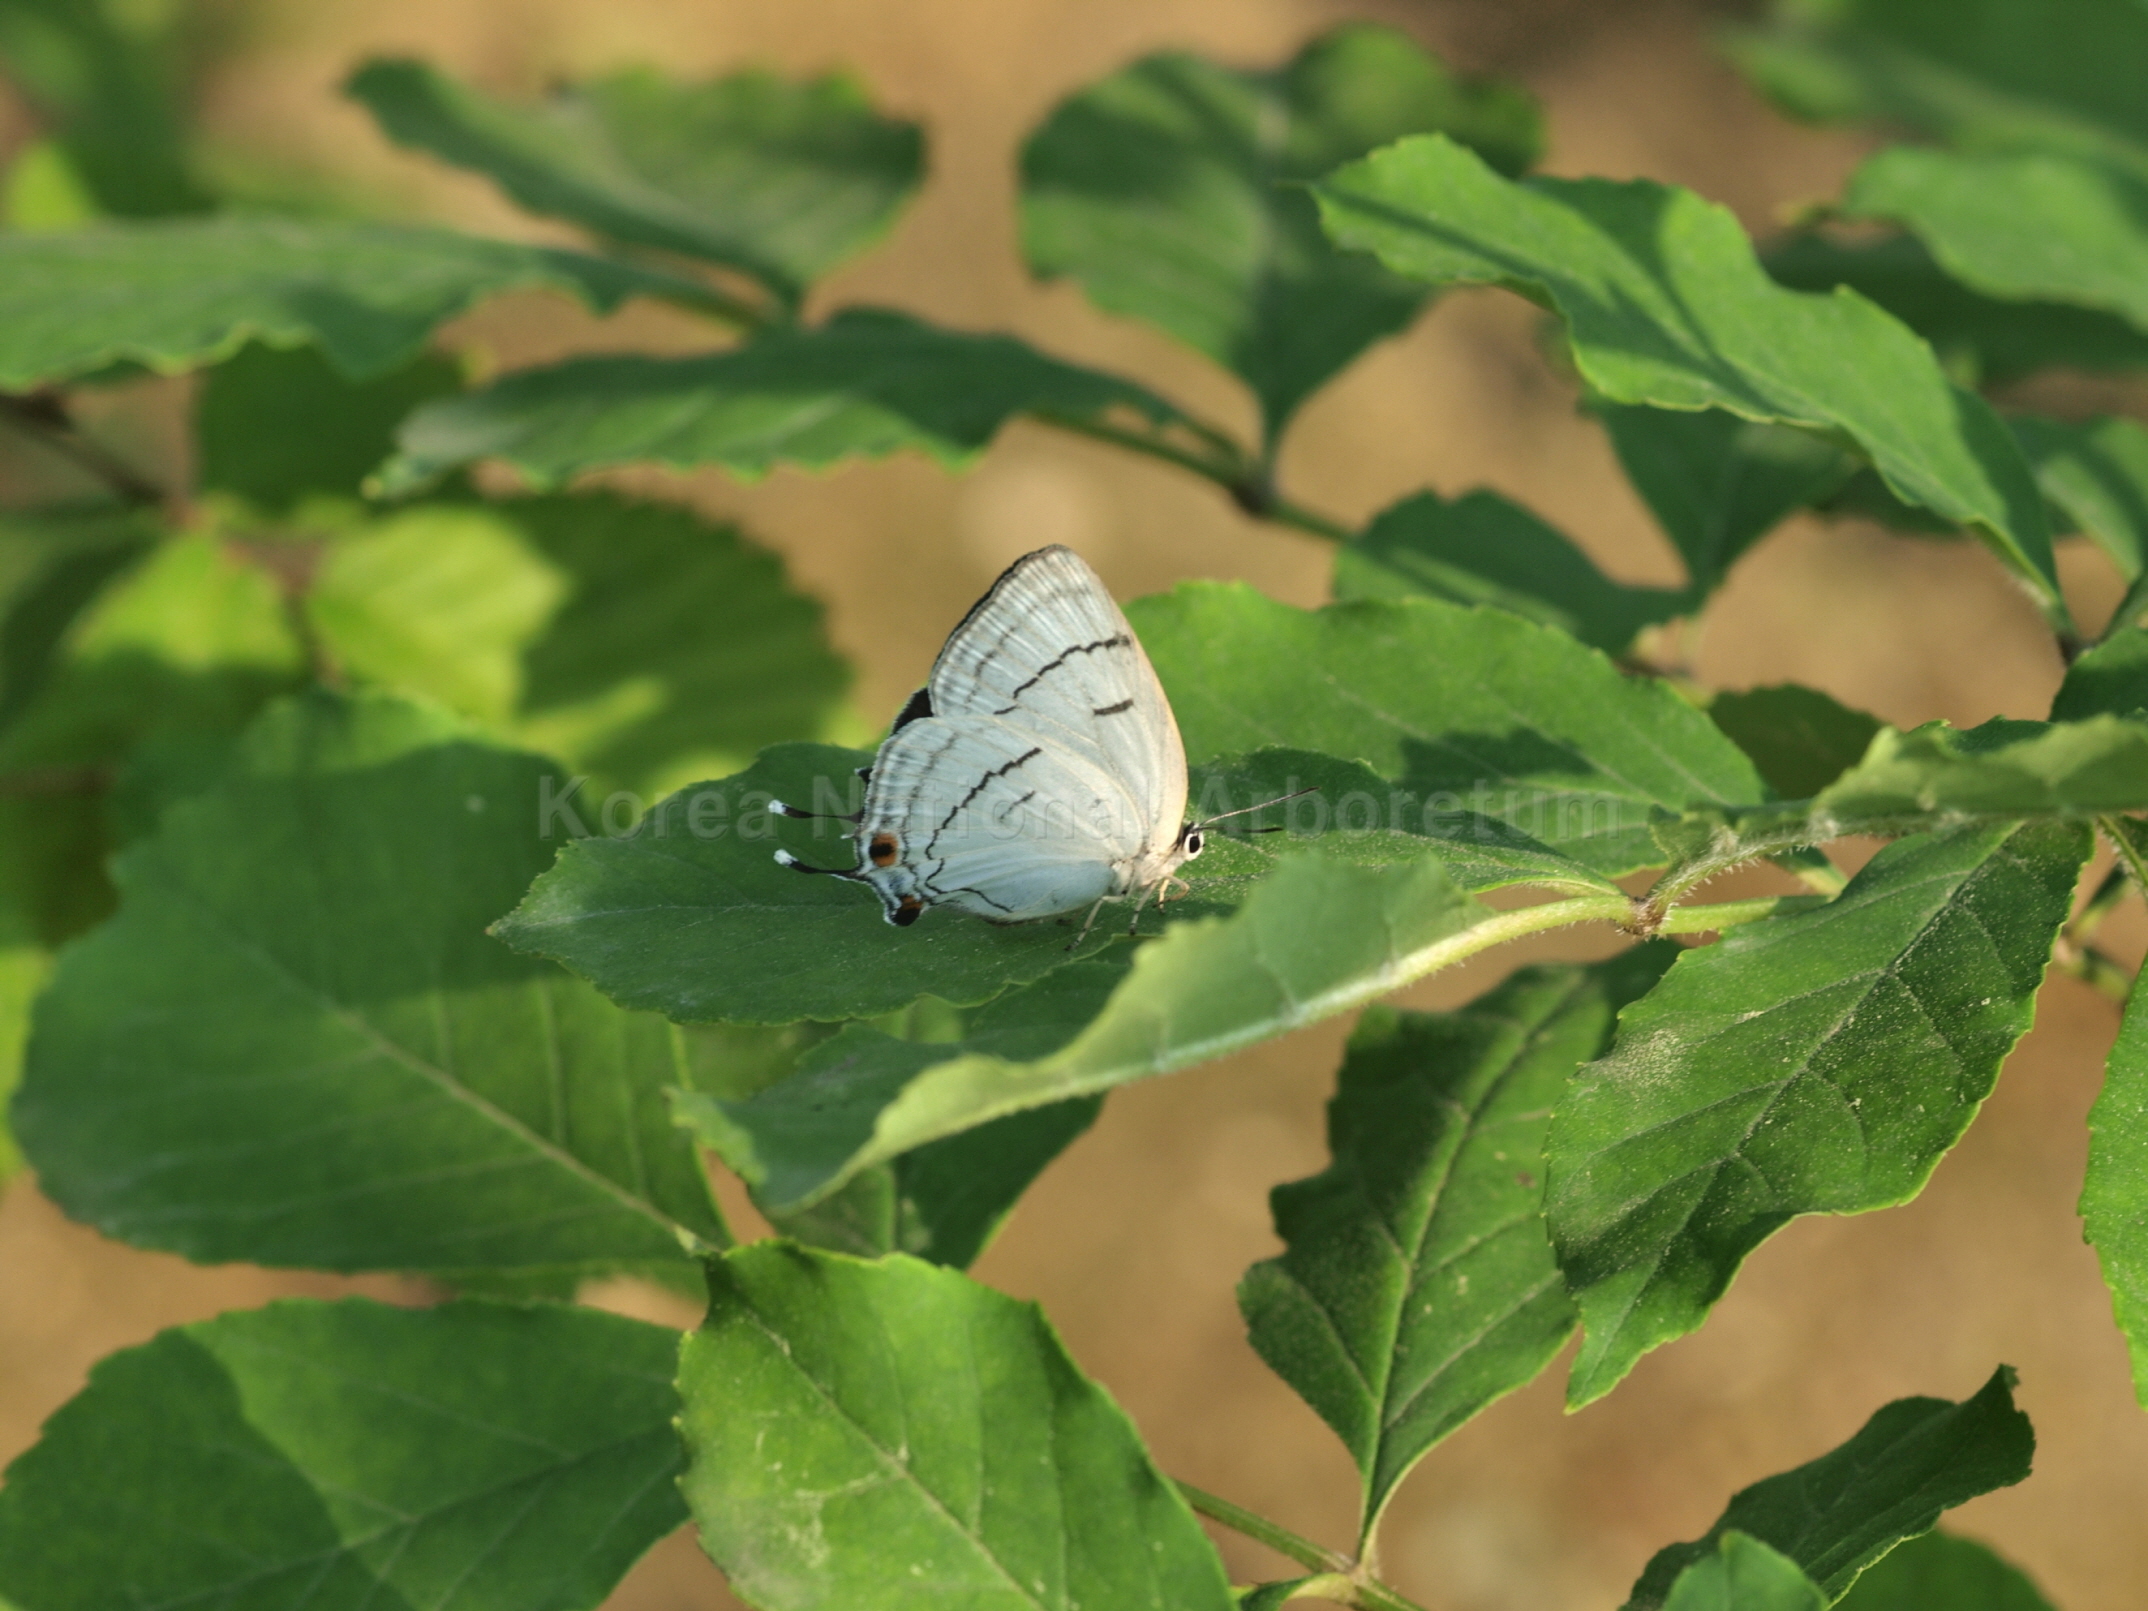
(43,415)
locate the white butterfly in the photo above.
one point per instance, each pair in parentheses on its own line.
(1039,769)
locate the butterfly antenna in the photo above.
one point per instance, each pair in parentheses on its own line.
(796,815)
(1247,811)
(785,859)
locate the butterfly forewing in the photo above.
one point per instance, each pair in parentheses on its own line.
(1047,652)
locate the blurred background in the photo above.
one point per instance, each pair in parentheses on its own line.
(1134,1240)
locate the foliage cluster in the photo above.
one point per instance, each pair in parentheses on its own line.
(326,942)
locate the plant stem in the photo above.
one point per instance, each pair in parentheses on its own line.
(2092,967)
(1247,487)
(1314,1557)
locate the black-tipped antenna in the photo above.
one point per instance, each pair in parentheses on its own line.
(1246,811)
(785,859)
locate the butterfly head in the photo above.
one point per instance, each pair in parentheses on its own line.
(1190,841)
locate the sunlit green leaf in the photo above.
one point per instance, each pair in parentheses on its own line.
(1799,738)
(1821,1062)
(1418,1283)
(341,1455)
(277,425)
(2003,767)
(104,79)
(865,384)
(1482,549)
(1743,1574)
(1173,192)
(1717,484)
(1937,1571)
(898,1436)
(1836,1515)
(1459,709)
(782,180)
(1978,338)
(177,295)
(2033,226)
(296,1044)
(1665,304)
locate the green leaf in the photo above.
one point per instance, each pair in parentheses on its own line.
(782,180)
(350,1454)
(943,1202)
(2110,679)
(1799,738)
(896,1435)
(53,562)
(296,1046)
(1980,74)
(1978,338)
(104,80)
(1743,1574)
(1271,1596)
(2033,227)
(1717,484)
(1836,1515)
(2096,474)
(174,296)
(1482,549)
(1316,938)
(1173,191)
(276,425)
(1666,305)
(681,648)
(1818,1063)
(2002,768)
(1459,709)
(865,384)
(1940,1570)
(1418,1283)
(2114,1196)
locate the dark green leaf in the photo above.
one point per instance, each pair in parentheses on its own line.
(1481,549)
(1666,305)
(1743,1574)
(2001,768)
(1459,709)
(1799,738)
(343,1455)
(2036,226)
(1173,192)
(177,295)
(895,1435)
(53,562)
(1981,74)
(276,425)
(2096,474)
(2114,1197)
(782,180)
(1978,338)
(1271,1596)
(1939,1572)
(1717,484)
(105,83)
(296,1045)
(866,384)
(1418,1283)
(1836,1515)
(2110,679)
(1816,1063)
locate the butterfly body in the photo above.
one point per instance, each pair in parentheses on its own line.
(1038,771)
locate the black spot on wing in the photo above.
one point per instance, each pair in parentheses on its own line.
(1120,709)
(1118,640)
(978,788)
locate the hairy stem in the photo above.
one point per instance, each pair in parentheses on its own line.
(1226,465)
(1336,1577)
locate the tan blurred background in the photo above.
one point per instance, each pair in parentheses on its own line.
(1134,1240)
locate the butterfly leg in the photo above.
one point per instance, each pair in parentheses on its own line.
(1088,923)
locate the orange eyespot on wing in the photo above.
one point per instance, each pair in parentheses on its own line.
(883,849)
(906,912)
